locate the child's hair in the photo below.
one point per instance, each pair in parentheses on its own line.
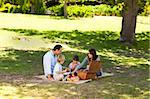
(76,58)
(60,58)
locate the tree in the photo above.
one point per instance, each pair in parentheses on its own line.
(38,6)
(65,8)
(130,12)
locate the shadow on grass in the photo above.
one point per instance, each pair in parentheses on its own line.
(100,40)
(21,62)
(29,62)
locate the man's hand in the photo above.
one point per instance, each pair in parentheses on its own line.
(49,77)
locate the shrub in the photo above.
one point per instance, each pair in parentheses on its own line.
(102,9)
(25,8)
(40,6)
(9,8)
(87,11)
(57,10)
(117,9)
(80,11)
(73,11)
(146,9)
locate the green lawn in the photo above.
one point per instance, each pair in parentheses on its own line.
(25,38)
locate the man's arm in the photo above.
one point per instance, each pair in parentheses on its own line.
(47,65)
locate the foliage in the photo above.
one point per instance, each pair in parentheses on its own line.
(109,7)
(80,11)
(106,7)
(87,11)
(146,9)
(39,6)
(117,9)
(57,10)
(1,2)
(9,8)
(23,6)
(103,10)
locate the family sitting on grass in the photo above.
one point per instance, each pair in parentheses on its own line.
(53,61)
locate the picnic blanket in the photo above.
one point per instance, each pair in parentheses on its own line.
(104,74)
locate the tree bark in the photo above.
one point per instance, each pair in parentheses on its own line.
(130,11)
(32,9)
(65,9)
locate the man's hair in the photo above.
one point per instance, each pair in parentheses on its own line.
(57,47)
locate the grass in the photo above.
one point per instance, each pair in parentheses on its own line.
(25,38)
(23,21)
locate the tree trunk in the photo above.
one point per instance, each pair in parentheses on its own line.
(130,11)
(32,9)
(65,9)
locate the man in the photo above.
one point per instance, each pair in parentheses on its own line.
(49,61)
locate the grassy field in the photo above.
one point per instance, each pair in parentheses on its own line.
(25,38)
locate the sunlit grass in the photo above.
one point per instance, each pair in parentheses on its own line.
(23,21)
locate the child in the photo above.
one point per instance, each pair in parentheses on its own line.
(75,62)
(58,72)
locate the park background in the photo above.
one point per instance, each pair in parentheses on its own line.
(29,28)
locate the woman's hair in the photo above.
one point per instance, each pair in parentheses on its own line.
(60,58)
(76,58)
(93,52)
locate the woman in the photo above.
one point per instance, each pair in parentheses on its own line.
(85,63)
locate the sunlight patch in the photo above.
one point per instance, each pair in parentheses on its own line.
(30,85)
(106,92)
(8,90)
(124,60)
(70,92)
(125,96)
(148,80)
